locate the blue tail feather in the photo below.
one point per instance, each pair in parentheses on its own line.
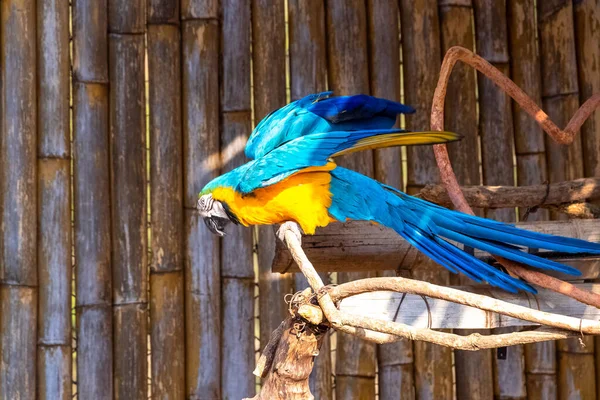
(428,227)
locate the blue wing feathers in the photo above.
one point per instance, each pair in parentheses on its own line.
(427,226)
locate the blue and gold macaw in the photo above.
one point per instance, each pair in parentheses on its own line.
(292,177)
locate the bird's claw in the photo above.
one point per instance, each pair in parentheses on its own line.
(289,226)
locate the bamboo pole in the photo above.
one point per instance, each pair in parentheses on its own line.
(237,267)
(54,207)
(395,361)
(560,96)
(473,370)
(496,128)
(348,73)
(560,90)
(167,330)
(200,60)
(421,58)
(91,189)
(587,34)
(525,72)
(18,181)
(308,74)
(531,166)
(268,69)
(128,198)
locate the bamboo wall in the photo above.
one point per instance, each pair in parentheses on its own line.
(114,115)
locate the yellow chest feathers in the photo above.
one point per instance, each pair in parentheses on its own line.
(304,198)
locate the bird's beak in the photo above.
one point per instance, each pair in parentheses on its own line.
(216,224)
(214,214)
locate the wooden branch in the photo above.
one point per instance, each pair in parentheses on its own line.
(575,191)
(356,246)
(381,331)
(421,304)
(560,136)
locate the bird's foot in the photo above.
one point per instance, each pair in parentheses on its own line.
(289,226)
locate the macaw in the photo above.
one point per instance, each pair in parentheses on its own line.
(292,177)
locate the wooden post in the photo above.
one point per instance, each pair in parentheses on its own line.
(531,168)
(587,35)
(268,68)
(497,137)
(421,57)
(560,90)
(237,269)
(91,189)
(348,72)
(167,330)
(395,360)
(54,206)
(128,197)
(18,210)
(560,95)
(473,370)
(200,60)
(308,74)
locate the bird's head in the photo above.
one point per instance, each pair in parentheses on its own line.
(214,213)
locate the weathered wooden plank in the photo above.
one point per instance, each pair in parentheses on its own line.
(90,41)
(18,306)
(199,9)
(18,201)
(587,34)
(525,72)
(416,311)
(54,208)
(91,190)
(128,214)
(308,47)
(127,16)
(560,90)
(360,245)
(163,12)
(54,260)
(200,58)
(166,203)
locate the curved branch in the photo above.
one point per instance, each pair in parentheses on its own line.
(560,136)
(380,331)
(411,286)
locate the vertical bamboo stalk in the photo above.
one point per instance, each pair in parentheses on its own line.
(587,33)
(268,69)
(128,196)
(200,60)
(525,72)
(237,269)
(560,96)
(576,369)
(394,361)
(495,124)
(560,90)
(91,186)
(540,364)
(420,63)
(531,169)
(54,206)
(167,330)
(348,73)
(308,74)
(509,372)
(18,201)
(474,374)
